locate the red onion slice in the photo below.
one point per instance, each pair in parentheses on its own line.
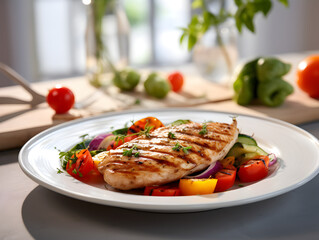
(95,143)
(211,170)
(272,159)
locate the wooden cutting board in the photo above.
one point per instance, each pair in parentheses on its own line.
(19,122)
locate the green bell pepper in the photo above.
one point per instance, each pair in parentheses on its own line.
(261,79)
(246,83)
(270,68)
(273,93)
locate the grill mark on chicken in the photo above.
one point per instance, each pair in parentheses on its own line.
(163,156)
(150,145)
(132,166)
(187,158)
(165,141)
(198,140)
(212,132)
(157,162)
(160,160)
(129,160)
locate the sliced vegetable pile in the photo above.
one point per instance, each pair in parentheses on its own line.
(78,161)
(245,162)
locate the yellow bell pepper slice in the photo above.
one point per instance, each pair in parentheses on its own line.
(197,186)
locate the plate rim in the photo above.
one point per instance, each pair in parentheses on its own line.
(161,208)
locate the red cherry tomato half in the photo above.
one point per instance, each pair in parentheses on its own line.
(83,165)
(176,80)
(136,127)
(226,179)
(254,169)
(114,144)
(145,122)
(164,191)
(61,99)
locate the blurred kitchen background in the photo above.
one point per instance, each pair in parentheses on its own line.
(45,39)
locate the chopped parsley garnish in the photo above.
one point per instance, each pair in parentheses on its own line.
(59,170)
(171,135)
(137,154)
(178,147)
(83,137)
(121,131)
(121,134)
(204,129)
(70,156)
(180,122)
(65,157)
(129,152)
(146,132)
(185,149)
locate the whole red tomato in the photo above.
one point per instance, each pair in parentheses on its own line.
(176,80)
(61,99)
(308,76)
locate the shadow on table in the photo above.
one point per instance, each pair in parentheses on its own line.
(48,215)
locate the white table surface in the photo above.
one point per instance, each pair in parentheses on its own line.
(30,211)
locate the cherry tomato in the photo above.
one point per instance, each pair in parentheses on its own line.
(176,80)
(114,144)
(61,99)
(254,169)
(162,191)
(136,127)
(83,165)
(197,186)
(308,76)
(226,179)
(145,122)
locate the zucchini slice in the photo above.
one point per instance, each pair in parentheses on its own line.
(244,152)
(245,139)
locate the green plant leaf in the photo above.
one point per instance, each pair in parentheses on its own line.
(238,3)
(191,41)
(197,4)
(238,18)
(263,6)
(284,2)
(249,23)
(181,40)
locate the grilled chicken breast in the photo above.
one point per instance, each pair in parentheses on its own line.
(168,154)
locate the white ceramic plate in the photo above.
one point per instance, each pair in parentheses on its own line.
(297,150)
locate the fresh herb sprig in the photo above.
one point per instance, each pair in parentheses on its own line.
(70,155)
(65,157)
(129,152)
(179,147)
(185,149)
(121,134)
(171,135)
(180,122)
(204,129)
